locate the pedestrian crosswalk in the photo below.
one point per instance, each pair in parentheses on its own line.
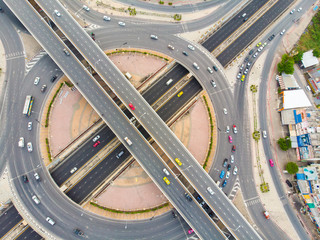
(34,60)
(15,55)
(252,201)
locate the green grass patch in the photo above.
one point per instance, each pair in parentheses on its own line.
(310,39)
(69,84)
(211,134)
(48,149)
(50,105)
(129,212)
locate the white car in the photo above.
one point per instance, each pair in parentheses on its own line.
(227,175)
(73,170)
(256,54)
(299,9)
(85,7)
(239,75)
(171,47)
(260,49)
(283,31)
(36,176)
(235,170)
(225,111)
(209,70)
(96,138)
(121,24)
(264,134)
(195,65)
(235,130)
(210,190)
(227,129)
(49,220)
(106,18)
(213,83)
(57,13)
(36,81)
(29,146)
(232,159)
(241,67)
(166,172)
(154,37)
(35,199)
(191,47)
(29,126)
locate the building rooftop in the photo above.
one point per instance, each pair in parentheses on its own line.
(309,60)
(295,99)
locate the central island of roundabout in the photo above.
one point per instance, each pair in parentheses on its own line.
(69,122)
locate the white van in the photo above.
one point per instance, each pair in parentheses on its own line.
(128,141)
(21,142)
(169,81)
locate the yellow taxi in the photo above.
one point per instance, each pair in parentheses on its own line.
(243,77)
(178,161)
(165,179)
(180,93)
(259,44)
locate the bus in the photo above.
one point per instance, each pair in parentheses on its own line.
(28,105)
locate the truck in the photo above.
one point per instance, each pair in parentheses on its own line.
(128,141)
(21,142)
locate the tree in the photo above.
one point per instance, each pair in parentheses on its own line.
(284,143)
(316,53)
(292,168)
(298,57)
(286,64)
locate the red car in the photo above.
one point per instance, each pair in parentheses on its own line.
(131,106)
(230,139)
(190,231)
(96,143)
(271,162)
(233,148)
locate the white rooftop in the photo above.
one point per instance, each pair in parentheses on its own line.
(295,99)
(309,60)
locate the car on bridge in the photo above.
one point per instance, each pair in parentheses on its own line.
(180,94)
(178,161)
(166,180)
(131,106)
(57,13)
(96,143)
